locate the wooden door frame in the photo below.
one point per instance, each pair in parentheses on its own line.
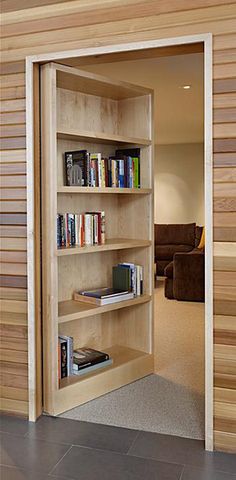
(33,210)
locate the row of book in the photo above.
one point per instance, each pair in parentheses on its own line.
(80,229)
(86,169)
(80,361)
(127,283)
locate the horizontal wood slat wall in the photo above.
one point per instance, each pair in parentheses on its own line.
(34,27)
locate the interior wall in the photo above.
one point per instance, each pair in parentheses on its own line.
(179,183)
(74,25)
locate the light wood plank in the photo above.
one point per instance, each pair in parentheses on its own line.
(224,115)
(224,130)
(12,206)
(224,278)
(224,190)
(8,293)
(16,232)
(225,175)
(225,441)
(225,395)
(224,56)
(13,318)
(227,70)
(223,204)
(14,393)
(13,257)
(11,93)
(14,406)
(224,159)
(7,156)
(13,269)
(8,243)
(12,106)
(225,219)
(13,80)
(225,100)
(13,306)
(13,193)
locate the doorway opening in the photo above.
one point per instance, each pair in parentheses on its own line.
(99,60)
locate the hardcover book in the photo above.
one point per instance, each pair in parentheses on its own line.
(76,164)
(85,357)
(103,296)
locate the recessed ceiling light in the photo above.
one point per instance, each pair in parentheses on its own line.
(186,87)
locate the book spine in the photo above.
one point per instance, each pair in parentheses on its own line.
(103,172)
(63,358)
(59,358)
(58,230)
(95,231)
(99,228)
(99,170)
(141,280)
(113,173)
(138,280)
(88,171)
(103,228)
(76,229)
(121,182)
(136,172)
(87,229)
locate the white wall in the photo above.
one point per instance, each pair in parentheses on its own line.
(179,183)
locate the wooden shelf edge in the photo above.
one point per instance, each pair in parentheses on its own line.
(112,244)
(82,310)
(106,190)
(137,365)
(100,137)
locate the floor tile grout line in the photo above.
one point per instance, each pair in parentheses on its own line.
(133,442)
(181,475)
(59,461)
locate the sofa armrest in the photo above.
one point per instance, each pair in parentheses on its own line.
(189,276)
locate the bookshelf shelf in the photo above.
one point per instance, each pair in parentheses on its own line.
(122,357)
(100,137)
(128,365)
(111,244)
(72,310)
(106,190)
(77,107)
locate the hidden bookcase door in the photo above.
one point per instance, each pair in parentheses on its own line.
(83,111)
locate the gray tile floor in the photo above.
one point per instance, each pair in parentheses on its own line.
(61,449)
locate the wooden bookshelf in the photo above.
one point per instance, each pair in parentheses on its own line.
(106,190)
(111,244)
(86,111)
(70,310)
(99,137)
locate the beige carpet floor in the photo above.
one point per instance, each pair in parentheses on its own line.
(172,400)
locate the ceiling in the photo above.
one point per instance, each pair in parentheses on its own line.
(178,113)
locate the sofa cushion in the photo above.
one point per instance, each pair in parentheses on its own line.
(183,234)
(166,252)
(168,272)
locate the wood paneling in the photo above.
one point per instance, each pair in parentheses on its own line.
(32,27)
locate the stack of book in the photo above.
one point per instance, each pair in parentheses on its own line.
(78,362)
(128,276)
(80,229)
(86,360)
(103,296)
(93,170)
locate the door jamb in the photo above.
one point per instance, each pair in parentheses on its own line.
(34,350)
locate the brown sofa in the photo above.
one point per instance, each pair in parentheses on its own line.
(172,238)
(180,261)
(185,277)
